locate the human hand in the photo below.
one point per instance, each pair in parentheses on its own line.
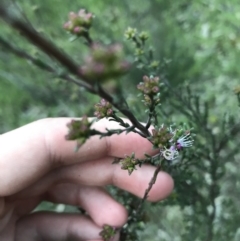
(37,164)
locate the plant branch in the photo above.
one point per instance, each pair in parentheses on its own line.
(152,114)
(150,185)
(42,65)
(50,49)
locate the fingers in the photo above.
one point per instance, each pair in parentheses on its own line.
(56,227)
(101,207)
(29,152)
(102,172)
(20,154)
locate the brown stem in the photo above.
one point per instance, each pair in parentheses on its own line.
(36,39)
(42,65)
(150,185)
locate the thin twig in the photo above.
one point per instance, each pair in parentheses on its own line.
(42,65)
(150,185)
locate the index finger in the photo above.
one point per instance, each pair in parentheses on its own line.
(28,153)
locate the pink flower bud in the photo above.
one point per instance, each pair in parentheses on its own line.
(145,78)
(77,30)
(103,102)
(88,16)
(155,89)
(66,25)
(109,112)
(72,16)
(82,13)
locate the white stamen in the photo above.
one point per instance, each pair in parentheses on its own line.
(170,154)
(185,141)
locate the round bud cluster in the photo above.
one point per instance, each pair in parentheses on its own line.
(103,109)
(161,137)
(133,34)
(129,163)
(143,36)
(149,86)
(108,232)
(105,62)
(79,23)
(79,130)
(130,33)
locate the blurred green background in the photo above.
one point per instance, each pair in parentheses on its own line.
(201,40)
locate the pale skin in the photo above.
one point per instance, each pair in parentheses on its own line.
(37,164)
